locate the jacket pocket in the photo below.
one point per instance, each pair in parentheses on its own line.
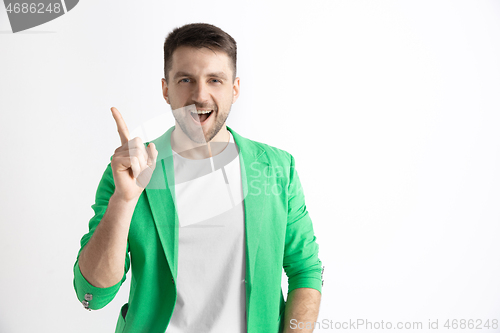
(120,325)
(124,310)
(281,321)
(281,317)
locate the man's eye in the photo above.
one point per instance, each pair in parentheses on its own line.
(184,80)
(218,81)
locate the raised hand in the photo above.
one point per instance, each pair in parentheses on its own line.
(132,163)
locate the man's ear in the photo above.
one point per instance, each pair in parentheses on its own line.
(164,89)
(236,89)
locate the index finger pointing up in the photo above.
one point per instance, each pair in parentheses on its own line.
(120,124)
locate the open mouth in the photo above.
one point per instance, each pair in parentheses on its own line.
(202,117)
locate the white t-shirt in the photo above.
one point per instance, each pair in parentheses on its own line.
(211,255)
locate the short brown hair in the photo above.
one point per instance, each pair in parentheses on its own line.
(199,35)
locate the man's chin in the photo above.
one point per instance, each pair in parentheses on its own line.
(200,135)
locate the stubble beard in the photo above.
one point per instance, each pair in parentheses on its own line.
(199,136)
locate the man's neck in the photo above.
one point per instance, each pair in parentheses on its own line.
(189,149)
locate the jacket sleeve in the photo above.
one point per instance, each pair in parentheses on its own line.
(300,262)
(94,298)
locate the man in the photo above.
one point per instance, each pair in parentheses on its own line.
(206,218)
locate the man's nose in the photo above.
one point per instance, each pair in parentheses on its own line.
(200,92)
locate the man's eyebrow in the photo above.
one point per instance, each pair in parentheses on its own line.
(218,74)
(178,74)
(215,74)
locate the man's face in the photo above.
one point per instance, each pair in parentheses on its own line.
(203,78)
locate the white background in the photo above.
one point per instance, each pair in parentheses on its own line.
(391,109)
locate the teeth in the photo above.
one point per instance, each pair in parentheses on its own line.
(201,111)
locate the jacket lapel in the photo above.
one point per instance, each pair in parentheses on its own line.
(253,164)
(161,197)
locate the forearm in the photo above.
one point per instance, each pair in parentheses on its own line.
(102,260)
(302,307)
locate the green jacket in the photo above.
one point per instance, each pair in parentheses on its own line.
(278,232)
